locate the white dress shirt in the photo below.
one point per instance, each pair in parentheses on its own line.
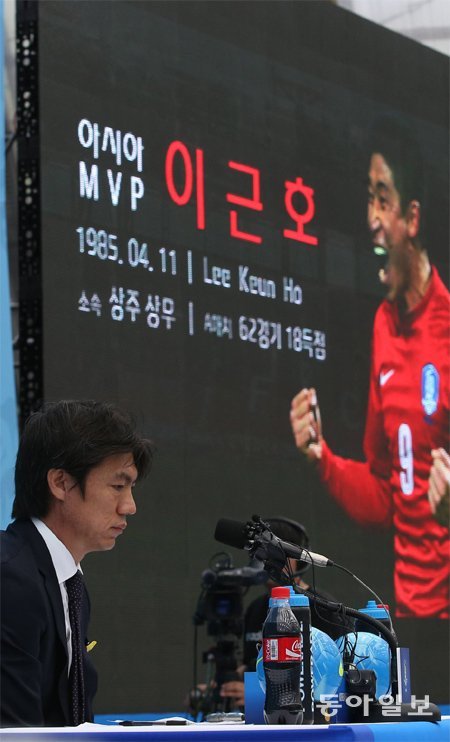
(65,567)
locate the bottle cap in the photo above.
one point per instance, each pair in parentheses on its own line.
(280,592)
(299,600)
(376,611)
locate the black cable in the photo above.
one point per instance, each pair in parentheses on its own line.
(336,624)
(380,601)
(386,633)
(389,636)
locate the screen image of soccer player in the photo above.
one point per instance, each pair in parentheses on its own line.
(206,254)
(408,409)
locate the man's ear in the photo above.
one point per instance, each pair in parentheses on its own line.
(413,219)
(59,483)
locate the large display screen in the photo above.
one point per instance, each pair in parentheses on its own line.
(206,255)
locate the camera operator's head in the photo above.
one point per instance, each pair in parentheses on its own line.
(293,532)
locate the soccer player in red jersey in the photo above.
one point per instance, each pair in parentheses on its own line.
(408,406)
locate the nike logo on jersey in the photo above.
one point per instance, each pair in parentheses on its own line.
(385,377)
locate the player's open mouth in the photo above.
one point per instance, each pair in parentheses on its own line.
(382,255)
(380,250)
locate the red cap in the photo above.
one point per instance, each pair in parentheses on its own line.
(281,592)
(383,605)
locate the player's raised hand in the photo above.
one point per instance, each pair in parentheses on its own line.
(306,424)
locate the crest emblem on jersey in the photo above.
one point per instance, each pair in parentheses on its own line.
(430,388)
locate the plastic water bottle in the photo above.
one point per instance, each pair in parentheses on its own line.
(282,658)
(379,611)
(301,611)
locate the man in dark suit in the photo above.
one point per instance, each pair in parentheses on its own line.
(76,466)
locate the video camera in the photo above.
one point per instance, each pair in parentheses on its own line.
(220,606)
(223,586)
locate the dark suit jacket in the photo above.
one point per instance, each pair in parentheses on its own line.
(34,682)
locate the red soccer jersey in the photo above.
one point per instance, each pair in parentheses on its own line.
(408,415)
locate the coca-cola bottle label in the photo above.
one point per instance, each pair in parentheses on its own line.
(282,649)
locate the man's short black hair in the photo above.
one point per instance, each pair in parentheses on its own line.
(291,531)
(74,435)
(392,138)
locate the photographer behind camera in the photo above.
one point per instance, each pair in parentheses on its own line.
(321,618)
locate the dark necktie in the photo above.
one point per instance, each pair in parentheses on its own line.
(75,593)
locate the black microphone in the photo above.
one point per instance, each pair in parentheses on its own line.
(262,543)
(231,533)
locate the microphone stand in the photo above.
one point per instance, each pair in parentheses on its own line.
(257,538)
(375,713)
